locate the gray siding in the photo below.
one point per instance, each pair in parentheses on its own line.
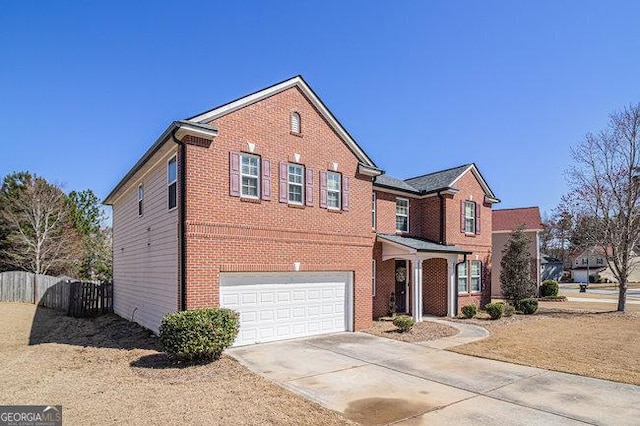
(145,249)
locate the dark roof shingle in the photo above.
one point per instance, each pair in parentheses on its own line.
(437,180)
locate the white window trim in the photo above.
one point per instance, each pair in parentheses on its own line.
(257,177)
(169,183)
(473,217)
(466,276)
(301,185)
(373,278)
(374,211)
(403,215)
(471,276)
(339,190)
(140,200)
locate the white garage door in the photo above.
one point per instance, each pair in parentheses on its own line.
(276,306)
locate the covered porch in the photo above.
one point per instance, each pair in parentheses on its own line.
(424,273)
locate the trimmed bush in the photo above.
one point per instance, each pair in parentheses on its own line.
(508,309)
(549,288)
(198,334)
(528,306)
(404,323)
(469,311)
(495,310)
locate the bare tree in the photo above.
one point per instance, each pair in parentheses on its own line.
(40,235)
(604,185)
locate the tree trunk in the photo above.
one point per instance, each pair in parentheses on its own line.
(622,296)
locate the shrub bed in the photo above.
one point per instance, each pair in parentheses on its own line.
(554,299)
(198,334)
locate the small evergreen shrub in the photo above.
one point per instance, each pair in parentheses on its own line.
(469,311)
(404,323)
(549,288)
(198,334)
(528,306)
(508,309)
(495,310)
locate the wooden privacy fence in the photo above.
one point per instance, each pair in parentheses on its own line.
(73,297)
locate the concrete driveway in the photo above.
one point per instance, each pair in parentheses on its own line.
(374,380)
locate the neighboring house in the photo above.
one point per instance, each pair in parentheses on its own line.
(268,206)
(590,261)
(550,268)
(504,222)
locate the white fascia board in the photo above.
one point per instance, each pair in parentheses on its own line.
(363,169)
(184,130)
(413,195)
(309,94)
(502,231)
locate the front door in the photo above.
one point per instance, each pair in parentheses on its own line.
(401,286)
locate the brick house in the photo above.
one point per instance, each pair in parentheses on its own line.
(264,205)
(504,222)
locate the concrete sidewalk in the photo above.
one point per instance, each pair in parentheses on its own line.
(374,380)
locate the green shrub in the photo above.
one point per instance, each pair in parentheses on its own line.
(469,311)
(404,323)
(495,310)
(549,288)
(528,306)
(198,334)
(508,309)
(593,279)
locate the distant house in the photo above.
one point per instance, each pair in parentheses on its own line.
(551,268)
(591,261)
(504,222)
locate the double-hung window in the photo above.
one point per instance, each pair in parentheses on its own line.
(172,183)
(296,184)
(402,215)
(250,175)
(334,190)
(463,278)
(470,217)
(140,198)
(476,276)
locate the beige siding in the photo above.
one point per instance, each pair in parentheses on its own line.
(499,240)
(145,249)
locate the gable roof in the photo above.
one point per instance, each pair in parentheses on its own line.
(433,182)
(306,90)
(510,219)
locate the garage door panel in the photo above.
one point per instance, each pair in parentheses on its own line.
(281,306)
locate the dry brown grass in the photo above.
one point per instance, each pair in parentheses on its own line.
(108,371)
(589,343)
(420,332)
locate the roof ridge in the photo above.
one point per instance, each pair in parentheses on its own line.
(440,171)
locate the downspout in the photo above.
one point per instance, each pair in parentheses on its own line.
(182,221)
(441,197)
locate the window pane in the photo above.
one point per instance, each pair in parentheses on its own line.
(295,174)
(172,195)
(295,194)
(402,223)
(333,181)
(249,165)
(462,277)
(476,278)
(402,207)
(172,170)
(333,199)
(249,186)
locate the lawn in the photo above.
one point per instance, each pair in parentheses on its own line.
(592,341)
(109,371)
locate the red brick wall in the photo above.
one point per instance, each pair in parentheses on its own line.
(479,245)
(385,282)
(227,233)
(434,286)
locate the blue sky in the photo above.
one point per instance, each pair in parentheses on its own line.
(86,87)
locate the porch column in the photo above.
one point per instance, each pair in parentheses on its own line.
(416,302)
(451,290)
